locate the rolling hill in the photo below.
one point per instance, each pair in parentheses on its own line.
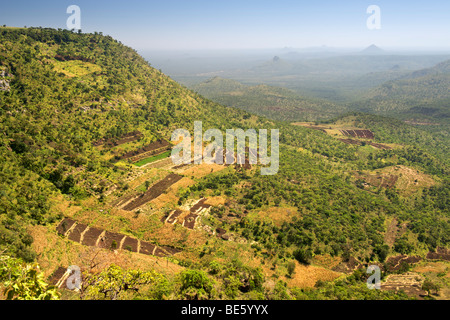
(268,101)
(418,96)
(373,50)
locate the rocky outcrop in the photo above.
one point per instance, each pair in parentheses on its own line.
(4,81)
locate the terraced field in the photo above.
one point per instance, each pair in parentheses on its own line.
(366,134)
(440,254)
(154,148)
(128,137)
(95,237)
(410,283)
(189,220)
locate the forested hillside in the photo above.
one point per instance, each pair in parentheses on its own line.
(421,96)
(67,91)
(268,101)
(85,125)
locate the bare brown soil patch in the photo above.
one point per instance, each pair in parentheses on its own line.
(91,236)
(75,235)
(155,191)
(220,232)
(201,204)
(147,248)
(65,226)
(190,220)
(169,197)
(130,244)
(128,137)
(440,254)
(395,263)
(111,240)
(57,276)
(170,250)
(194,213)
(358,133)
(379,180)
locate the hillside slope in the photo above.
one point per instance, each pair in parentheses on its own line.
(86,180)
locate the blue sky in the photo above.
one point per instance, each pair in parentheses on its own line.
(230,24)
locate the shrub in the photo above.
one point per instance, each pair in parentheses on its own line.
(195,285)
(303,255)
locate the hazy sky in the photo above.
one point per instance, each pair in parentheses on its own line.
(230,24)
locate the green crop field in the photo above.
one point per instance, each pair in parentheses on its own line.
(152,159)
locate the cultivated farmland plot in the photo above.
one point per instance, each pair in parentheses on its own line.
(440,254)
(155,191)
(190,220)
(410,283)
(367,134)
(152,149)
(104,239)
(128,137)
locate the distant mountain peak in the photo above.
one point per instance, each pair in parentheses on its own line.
(373,49)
